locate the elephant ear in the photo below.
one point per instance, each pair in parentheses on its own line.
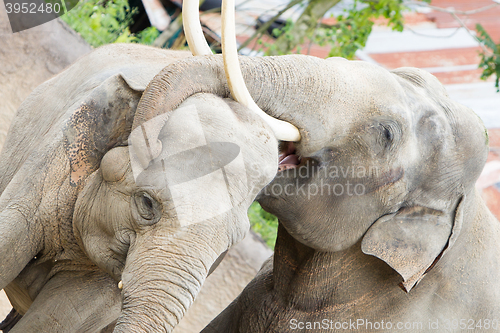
(103,120)
(413,240)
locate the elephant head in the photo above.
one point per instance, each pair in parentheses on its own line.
(162,228)
(387,159)
(379,149)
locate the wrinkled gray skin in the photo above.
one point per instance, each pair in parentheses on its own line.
(75,219)
(238,268)
(413,245)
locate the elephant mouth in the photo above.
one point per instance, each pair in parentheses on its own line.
(288,157)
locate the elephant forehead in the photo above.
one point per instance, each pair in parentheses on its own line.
(202,157)
(191,164)
(208,118)
(361,90)
(363,78)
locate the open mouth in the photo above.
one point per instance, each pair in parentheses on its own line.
(288,159)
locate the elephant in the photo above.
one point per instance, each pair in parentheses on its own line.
(123,181)
(238,268)
(35,63)
(29,59)
(380,225)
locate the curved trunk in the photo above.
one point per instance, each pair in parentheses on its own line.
(159,287)
(163,274)
(279,86)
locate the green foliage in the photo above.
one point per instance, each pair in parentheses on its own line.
(490,61)
(263,223)
(286,31)
(147,36)
(102,22)
(349,34)
(353,28)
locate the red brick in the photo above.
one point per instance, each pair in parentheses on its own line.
(493,155)
(492,198)
(437,58)
(490,19)
(494,137)
(459,77)
(461,4)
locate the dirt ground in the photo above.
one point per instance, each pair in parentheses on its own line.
(29,58)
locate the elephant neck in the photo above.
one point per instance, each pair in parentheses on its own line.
(322,281)
(309,278)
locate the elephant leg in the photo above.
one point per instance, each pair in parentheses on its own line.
(20,241)
(73,302)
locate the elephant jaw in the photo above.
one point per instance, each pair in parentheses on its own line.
(288,157)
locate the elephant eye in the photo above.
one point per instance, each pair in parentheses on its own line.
(147,207)
(147,202)
(387,134)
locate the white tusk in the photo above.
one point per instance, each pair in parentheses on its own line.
(192,28)
(282,130)
(120,284)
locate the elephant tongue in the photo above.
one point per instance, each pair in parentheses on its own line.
(288,159)
(291,161)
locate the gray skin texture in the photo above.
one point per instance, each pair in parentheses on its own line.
(75,219)
(31,57)
(238,268)
(28,59)
(414,246)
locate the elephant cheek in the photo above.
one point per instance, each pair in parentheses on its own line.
(163,275)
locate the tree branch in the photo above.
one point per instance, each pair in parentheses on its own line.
(305,25)
(266,25)
(453,12)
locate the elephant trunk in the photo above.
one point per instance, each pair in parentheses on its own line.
(163,274)
(280,86)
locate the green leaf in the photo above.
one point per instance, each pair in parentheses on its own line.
(485,38)
(101,22)
(125,37)
(490,61)
(263,223)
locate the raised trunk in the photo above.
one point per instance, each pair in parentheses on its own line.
(163,274)
(280,86)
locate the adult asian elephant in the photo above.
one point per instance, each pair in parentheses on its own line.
(87,202)
(381,228)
